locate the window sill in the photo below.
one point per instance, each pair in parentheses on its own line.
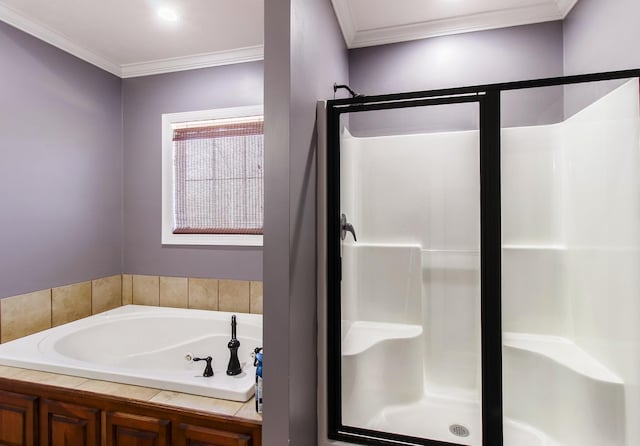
(212,239)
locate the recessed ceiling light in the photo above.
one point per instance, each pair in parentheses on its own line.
(168,14)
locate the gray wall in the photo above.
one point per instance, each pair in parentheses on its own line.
(61,175)
(599,36)
(145,99)
(304,56)
(502,55)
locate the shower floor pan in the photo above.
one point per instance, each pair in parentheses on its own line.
(436,417)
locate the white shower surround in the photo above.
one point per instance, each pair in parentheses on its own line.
(571,253)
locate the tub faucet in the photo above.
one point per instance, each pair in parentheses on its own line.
(234,364)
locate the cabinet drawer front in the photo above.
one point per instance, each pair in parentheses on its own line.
(123,429)
(63,424)
(17,419)
(189,435)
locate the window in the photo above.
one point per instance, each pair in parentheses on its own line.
(212,177)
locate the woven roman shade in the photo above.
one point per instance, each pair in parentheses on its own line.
(218,177)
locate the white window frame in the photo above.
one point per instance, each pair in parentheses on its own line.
(168,180)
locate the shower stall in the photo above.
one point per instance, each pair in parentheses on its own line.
(480,265)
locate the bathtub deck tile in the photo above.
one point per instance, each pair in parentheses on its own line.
(52,379)
(164,397)
(195,402)
(248,411)
(9,372)
(118,389)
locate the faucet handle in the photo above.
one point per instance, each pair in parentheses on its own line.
(345,227)
(208,370)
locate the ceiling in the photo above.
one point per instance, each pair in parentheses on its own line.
(128,37)
(376,22)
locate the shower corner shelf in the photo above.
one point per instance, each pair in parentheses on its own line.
(563,352)
(362,335)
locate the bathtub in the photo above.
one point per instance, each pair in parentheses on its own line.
(146,346)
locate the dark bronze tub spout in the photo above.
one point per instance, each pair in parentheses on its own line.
(234,364)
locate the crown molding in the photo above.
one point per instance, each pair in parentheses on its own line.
(21,22)
(45,34)
(543,12)
(227,57)
(565,7)
(345,20)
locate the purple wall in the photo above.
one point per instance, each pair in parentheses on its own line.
(599,36)
(304,56)
(68,191)
(145,99)
(502,55)
(602,36)
(61,175)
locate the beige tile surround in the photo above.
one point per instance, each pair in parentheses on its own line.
(71,302)
(32,312)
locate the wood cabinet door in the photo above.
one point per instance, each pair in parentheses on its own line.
(123,429)
(189,435)
(17,419)
(65,424)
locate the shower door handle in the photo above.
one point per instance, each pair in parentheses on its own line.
(345,227)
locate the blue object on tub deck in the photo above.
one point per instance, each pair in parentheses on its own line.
(258,363)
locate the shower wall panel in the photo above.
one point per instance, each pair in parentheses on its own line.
(534,290)
(420,189)
(602,206)
(533,255)
(571,253)
(414,202)
(531,178)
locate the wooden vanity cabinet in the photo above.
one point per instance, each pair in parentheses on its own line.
(128,429)
(64,424)
(34,414)
(189,435)
(17,419)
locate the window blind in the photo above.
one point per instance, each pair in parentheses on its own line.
(218,177)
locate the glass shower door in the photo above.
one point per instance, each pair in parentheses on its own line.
(409,298)
(491,295)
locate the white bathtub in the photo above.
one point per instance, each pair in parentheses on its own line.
(146,346)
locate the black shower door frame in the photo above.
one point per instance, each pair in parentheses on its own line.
(488,99)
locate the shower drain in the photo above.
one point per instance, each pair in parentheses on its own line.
(459,430)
